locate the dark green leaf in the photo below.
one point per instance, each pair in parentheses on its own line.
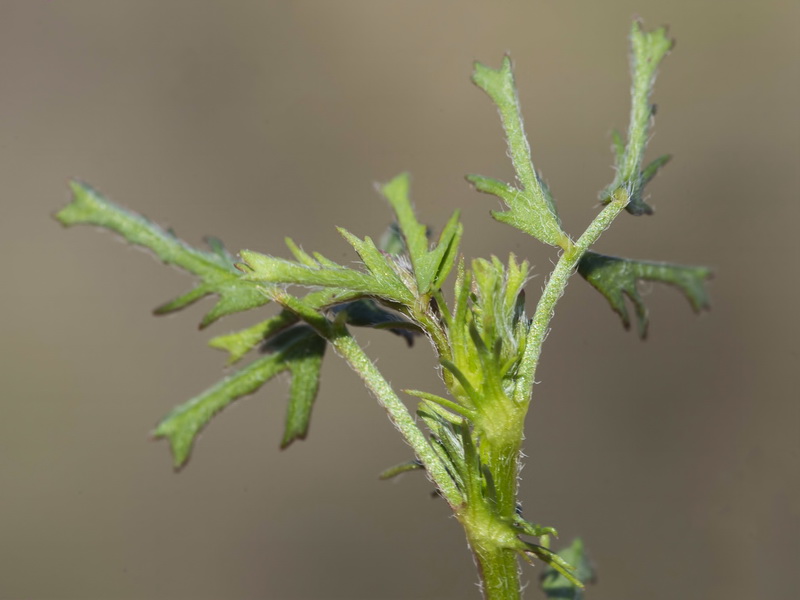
(617,277)
(366,313)
(558,586)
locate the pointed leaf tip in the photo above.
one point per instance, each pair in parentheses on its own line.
(213,267)
(298,350)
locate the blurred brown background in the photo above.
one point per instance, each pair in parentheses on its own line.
(675,459)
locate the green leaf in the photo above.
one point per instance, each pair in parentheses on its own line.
(392,472)
(528,528)
(239,343)
(431,267)
(654,167)
(381,280)
(558,586)
(362,313)
(305,364)
(617,277)
(648,49)
(555,562)
(298,350)
(215,268)
(531,208)
(460,410)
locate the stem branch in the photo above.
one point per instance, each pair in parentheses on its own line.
(554,288)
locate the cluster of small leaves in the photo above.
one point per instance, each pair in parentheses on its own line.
(288,345)
(486,333)
(532,208)
(486,345)
(387,277)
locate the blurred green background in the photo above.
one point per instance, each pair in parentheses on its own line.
(675,459)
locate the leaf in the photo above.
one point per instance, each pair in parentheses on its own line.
(381,280)
(305,365)
(215,268)
(366,313)
(558,586)
(392,472)
(431,267)
(361,312)
(531,208)
(648,49)
(241,342)
(299,350)
(617,277)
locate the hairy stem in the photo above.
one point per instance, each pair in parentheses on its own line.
(554,289)
(499,572)
(348,348)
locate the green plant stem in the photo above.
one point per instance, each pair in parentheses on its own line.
(554,289)
(499,571)
(500,446)
(347,347)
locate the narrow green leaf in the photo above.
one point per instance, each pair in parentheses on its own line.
(414,233)
(617,277)
(555,562)
(442,258)
(531,208)
(214,268)
(648,50)
(305,365)
(380,267)
(300,352)
(455,407)
(299,255)
(239,343)
(431,267)
(528,528)
(558,586)
(326,262)
(653,168)
(270,269)
(190,297)
(391,472)
(234,298)
(384,284)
